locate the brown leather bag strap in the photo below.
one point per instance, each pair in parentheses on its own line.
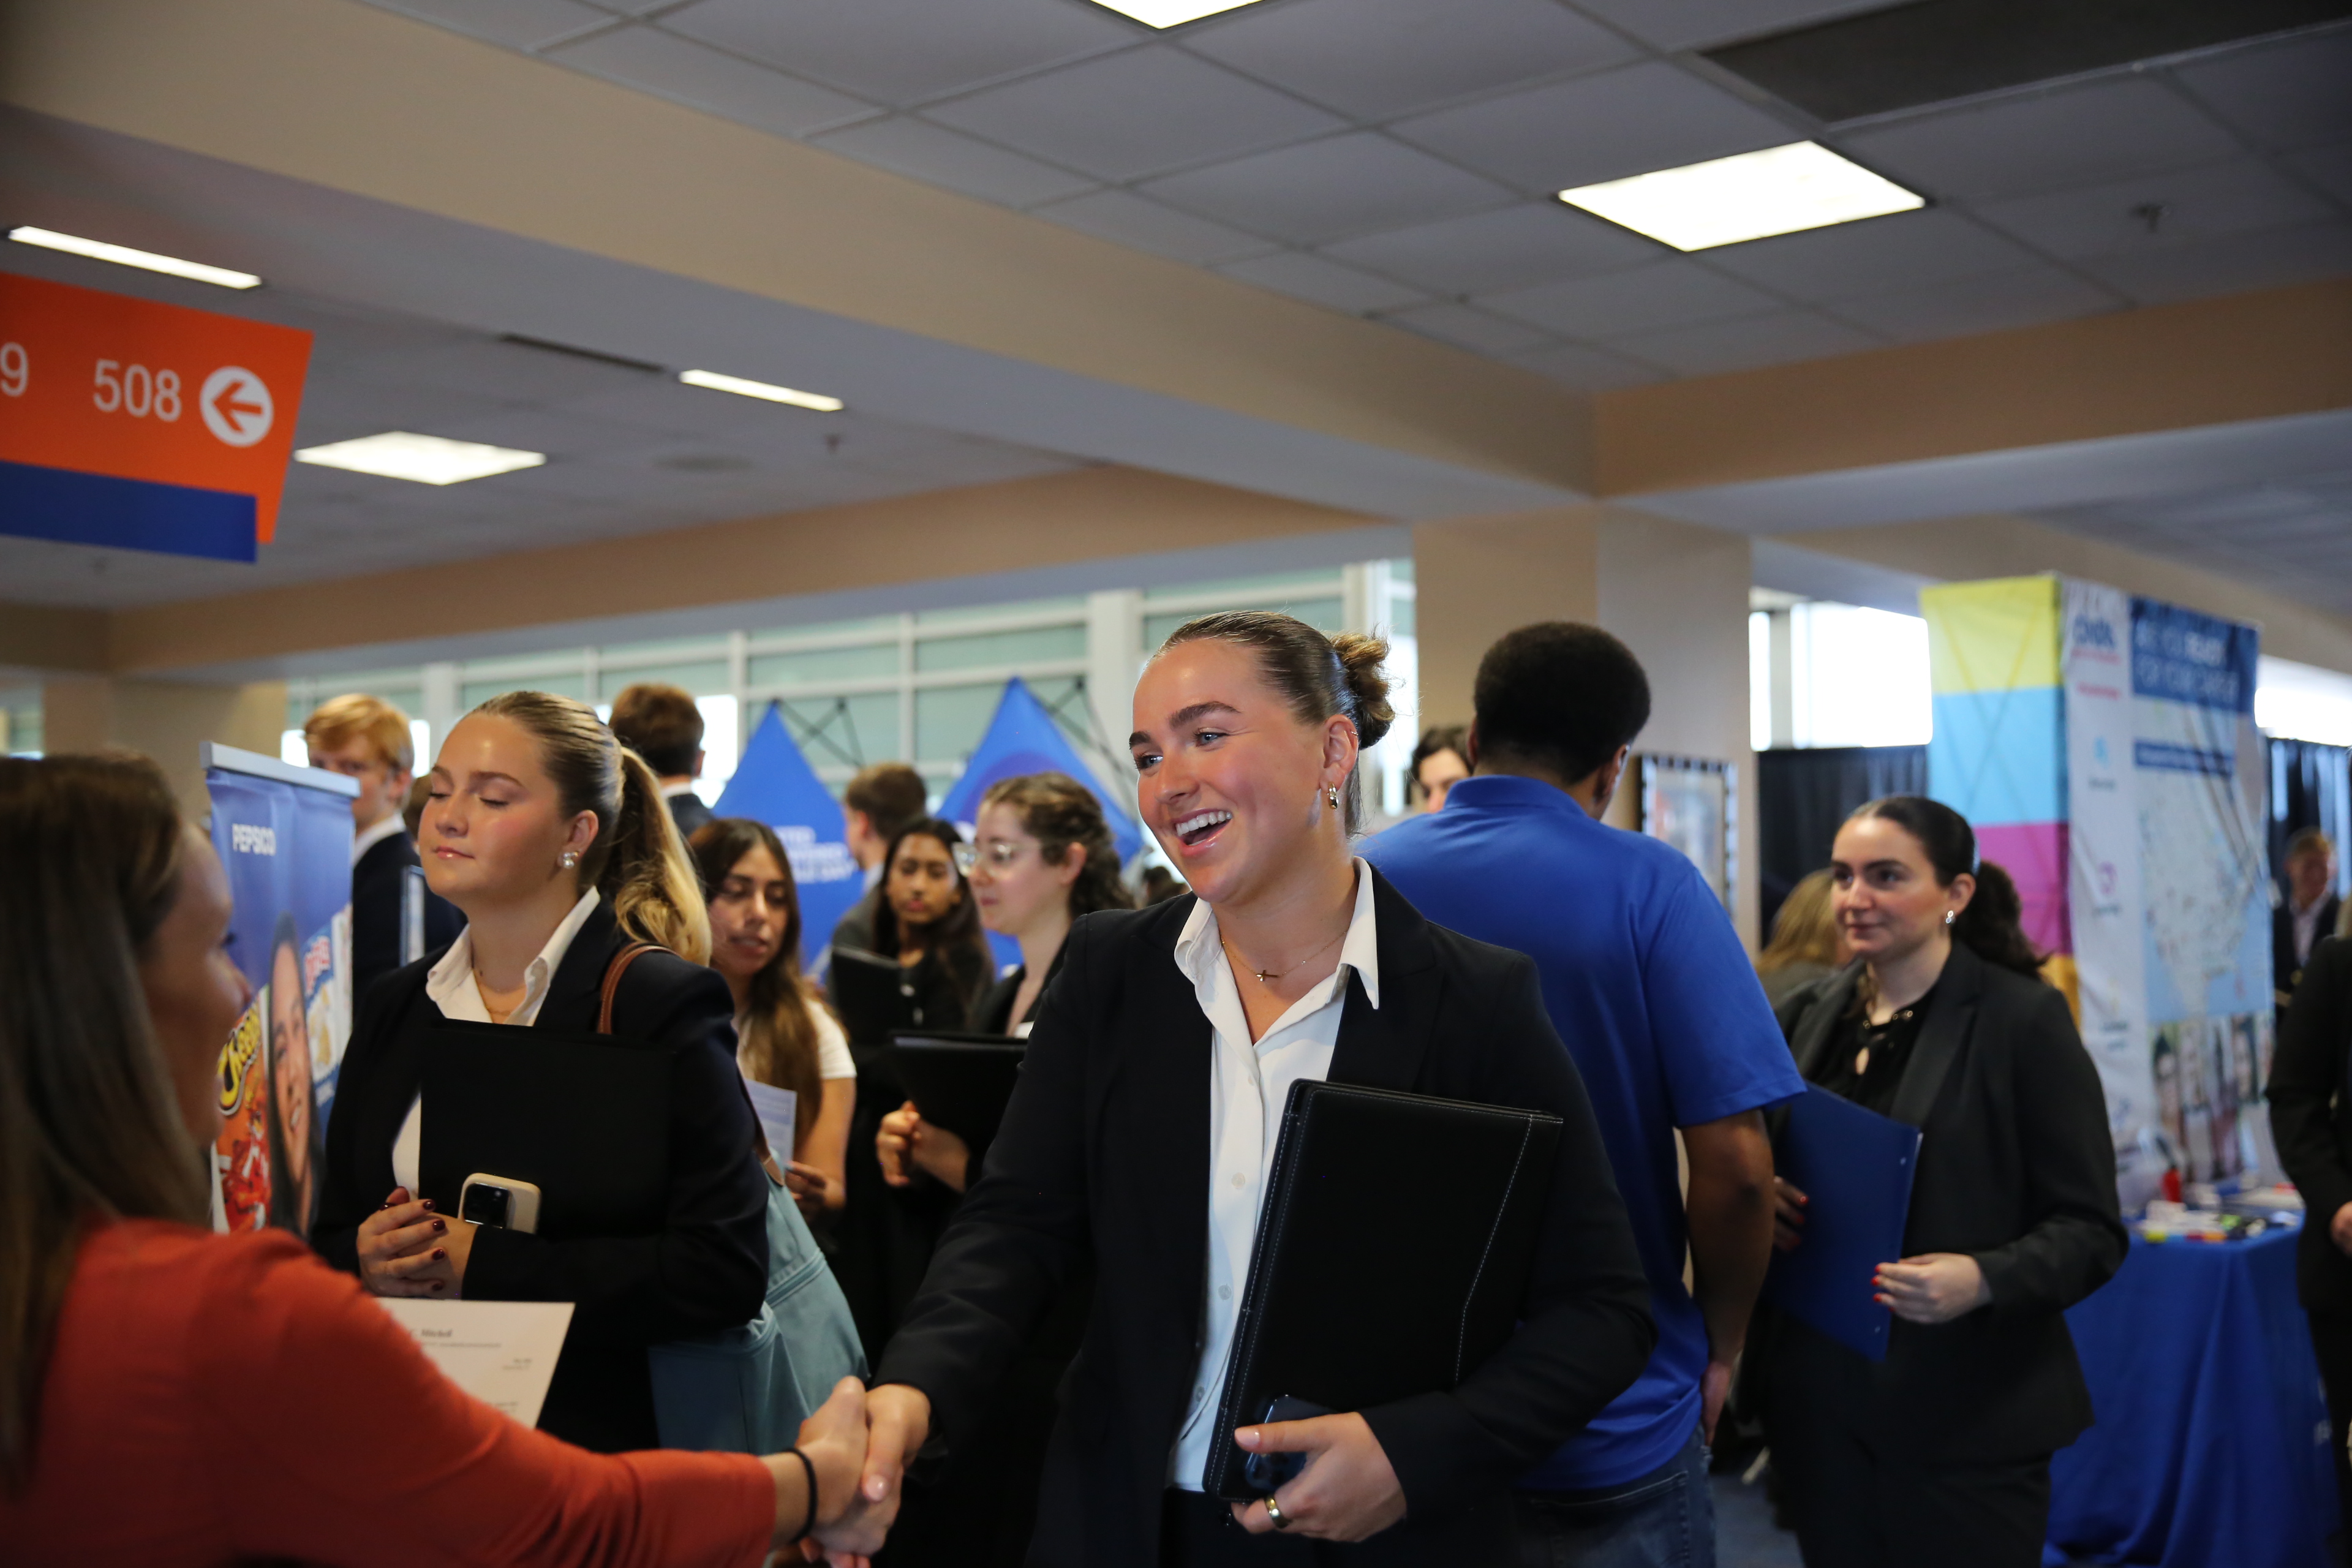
(613,972)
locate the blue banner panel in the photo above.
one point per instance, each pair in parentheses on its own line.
(1022,738)
(774,783)
(1997,758)
(124,514)
(2181,656)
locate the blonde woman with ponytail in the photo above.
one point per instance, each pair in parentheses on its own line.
(553,840)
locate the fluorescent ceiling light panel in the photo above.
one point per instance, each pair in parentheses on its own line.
(427,459)
(124,256)
(1726,200)
(741,388)
(1171,13)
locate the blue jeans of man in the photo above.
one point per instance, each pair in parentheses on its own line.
(1662,1519)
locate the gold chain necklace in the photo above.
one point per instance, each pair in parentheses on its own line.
(1269,976)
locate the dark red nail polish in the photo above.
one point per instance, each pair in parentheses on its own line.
(437,1284)
(428,1205)
(437,1256)
(440,1225)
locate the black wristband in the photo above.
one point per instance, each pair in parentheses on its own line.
(808,1524)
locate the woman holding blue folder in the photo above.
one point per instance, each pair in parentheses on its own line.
(1940,1454)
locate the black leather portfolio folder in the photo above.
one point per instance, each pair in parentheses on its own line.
(958,1081)
(872,994)
(1370,1282)
(584,1118)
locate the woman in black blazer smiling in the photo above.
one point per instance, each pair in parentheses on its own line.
(1146,1117)
(1940,1454)
(555,843)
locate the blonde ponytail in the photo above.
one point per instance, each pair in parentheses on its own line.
(648,879)
(638,863)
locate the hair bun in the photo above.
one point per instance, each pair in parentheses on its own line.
(1360,656)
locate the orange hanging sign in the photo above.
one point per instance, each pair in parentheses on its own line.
(154,426)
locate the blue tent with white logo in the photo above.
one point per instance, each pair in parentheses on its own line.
(1023,738)
(774,784)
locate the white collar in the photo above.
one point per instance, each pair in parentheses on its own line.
(367,838)
(672,791)
(451,986)
(1198,947)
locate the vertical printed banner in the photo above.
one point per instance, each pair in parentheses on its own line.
(287,845)
(2104,899)
(2205,885)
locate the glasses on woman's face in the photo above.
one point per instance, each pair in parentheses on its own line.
(997,855)
(965,858)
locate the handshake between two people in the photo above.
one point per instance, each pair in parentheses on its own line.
(860,1443)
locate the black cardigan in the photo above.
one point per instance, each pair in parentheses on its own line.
(1104,1156)
(706,1270)
(2311,1118)
(2018,1171)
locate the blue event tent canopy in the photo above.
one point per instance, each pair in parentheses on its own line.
(1022,738)
(774,784)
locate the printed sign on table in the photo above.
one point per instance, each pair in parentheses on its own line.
(139,425)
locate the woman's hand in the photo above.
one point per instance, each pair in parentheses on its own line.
(1932,1288)
(834,1438)
(404,1247)
(906,1137)
(1347,1492)
(813,1189)
(1788,1215)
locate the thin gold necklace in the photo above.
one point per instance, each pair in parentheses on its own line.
(1269,976)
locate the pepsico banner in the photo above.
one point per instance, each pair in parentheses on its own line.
(138,426)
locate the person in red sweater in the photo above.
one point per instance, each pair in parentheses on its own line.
(170,1397)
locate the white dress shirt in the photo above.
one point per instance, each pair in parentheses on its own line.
(452,987)
(367,838)
(1248,1085)
(2306,927)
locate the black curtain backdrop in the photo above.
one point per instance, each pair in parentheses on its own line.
(1803,794)
(2310,786)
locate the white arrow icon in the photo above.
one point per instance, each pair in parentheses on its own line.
(237,406)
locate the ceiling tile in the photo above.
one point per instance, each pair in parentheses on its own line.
(1619,304)
(559,434)
(702,78)
(1471,329)
(519,24)
(1129,219)
(1877,254)
(2288,94)
(1374,59)
(1131,113)
(926,151)
(1987,302)
(903,51)
(1582,369)
(2329,167)
(485,367)
(2266,259)
(2108,129)
(1687,24)
(1714,348)
(1321,190)
(2197,204)
(1600,127)
(1523,244)
(1324,282)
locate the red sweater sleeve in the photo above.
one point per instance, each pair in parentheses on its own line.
(331,1438)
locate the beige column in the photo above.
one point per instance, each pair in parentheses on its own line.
(1675,594)
(166,720)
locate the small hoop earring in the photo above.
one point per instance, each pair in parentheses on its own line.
(1331,797)
(570,857)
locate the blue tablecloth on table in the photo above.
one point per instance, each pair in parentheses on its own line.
(2210,1449)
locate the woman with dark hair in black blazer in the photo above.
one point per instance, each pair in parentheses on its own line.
(2311,1120)
(927,921)
(555,843)
(1941,1453)
(1140,1133)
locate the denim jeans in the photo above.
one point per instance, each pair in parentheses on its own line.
(1662,1519)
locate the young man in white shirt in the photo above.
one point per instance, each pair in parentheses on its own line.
(367,740)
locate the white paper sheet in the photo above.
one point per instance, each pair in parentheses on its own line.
(775,1108)
(501,1353)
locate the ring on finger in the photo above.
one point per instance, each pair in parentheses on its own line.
(1274,1513)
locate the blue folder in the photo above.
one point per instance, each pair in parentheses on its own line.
(1856,1166)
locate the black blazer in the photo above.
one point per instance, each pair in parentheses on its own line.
(707,1267)
(1104,1157)
(2287,974)
(2311,1118)
(688,812)
(378,883)
(2017,1170)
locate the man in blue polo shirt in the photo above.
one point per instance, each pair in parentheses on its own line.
(1647,984)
